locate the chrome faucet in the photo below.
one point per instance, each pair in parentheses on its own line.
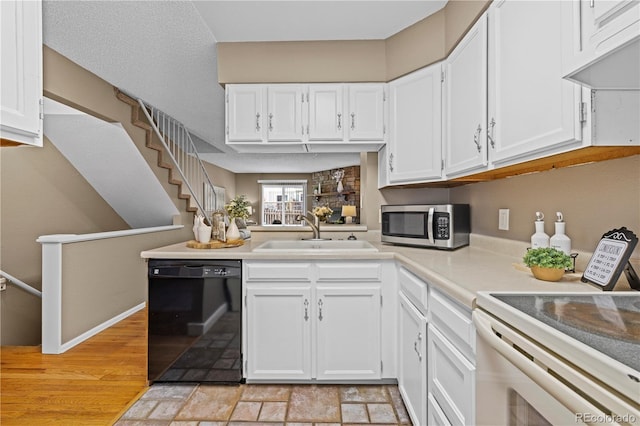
(314,227)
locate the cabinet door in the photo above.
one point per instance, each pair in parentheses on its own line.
(465,103)
(383,167)
(412,357)
(326,115)
(279,332)
(284,119)
(245,116)
(366,112)
(415,145)
(348,333)
(531,107)
(21,75)
(451,379)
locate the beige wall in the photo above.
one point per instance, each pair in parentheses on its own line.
(417,46)
(594,198)
(459,16)
(307,62)
(41,194)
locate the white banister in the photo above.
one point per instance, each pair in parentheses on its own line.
(21,284)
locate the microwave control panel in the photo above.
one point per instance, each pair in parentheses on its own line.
(441,222)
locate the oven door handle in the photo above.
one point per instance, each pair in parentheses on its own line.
(537,374)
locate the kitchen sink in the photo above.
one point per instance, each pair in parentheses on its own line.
(315,246)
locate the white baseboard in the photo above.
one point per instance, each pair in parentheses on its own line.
(97,329)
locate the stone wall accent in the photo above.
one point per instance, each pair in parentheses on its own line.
(329,195)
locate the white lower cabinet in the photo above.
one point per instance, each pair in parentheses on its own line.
(314,322)
(348,332)
(280,331)
(412,360)
(435,415)
(451,379)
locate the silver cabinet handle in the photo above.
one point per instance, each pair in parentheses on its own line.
(353,121)
(592,4)
(492,124)
(271,122)
(257,121)
(320,309)
(476,138)
(339,121)
(391,162)
(415,346)
(306,309)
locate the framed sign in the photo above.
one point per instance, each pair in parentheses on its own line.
(610,258)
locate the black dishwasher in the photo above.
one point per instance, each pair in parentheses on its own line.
(195,321)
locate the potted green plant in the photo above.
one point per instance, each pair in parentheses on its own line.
(547,263)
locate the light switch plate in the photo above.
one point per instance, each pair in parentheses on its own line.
(503,219)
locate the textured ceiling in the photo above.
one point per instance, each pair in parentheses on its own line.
(312,20)
(164,52)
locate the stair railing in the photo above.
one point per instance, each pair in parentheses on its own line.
(21,284)
(183,153)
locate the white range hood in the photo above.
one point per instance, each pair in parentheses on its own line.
(618,69)
(607,37)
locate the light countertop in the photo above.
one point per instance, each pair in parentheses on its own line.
(487,264)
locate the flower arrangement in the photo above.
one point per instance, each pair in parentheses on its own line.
(321,212)
(238,207)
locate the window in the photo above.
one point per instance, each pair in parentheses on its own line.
(282,201)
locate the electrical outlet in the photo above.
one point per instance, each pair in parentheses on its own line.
(3,284)
(503,219)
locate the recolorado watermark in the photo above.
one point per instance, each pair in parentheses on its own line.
(605,418)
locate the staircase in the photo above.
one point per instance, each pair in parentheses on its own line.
(176,153)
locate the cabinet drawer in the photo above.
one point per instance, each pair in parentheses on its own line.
(414,288)
(277,271)
(454,321)
(435,415)
(349,271)
(451,379)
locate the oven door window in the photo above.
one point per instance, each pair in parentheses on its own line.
(405,224)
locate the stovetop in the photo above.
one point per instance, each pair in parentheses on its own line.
(606,322)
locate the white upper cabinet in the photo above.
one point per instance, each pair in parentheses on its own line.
(531,107)
(465,103)
(607,55)
(245,114)
(415,145)
(326,115)
(21,75)
(284,118)
(366,112)
(306,117)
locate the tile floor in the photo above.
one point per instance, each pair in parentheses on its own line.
(268,405)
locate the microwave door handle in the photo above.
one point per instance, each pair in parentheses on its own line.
(567,397)
(430,226)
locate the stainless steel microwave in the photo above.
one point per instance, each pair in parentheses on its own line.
(443,226)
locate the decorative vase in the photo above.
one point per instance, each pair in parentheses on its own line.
(547,274)
(204,233)
(233,233)
(340,187)
(198,220)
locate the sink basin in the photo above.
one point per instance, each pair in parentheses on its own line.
(315,246)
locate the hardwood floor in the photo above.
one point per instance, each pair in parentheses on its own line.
(91,384)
